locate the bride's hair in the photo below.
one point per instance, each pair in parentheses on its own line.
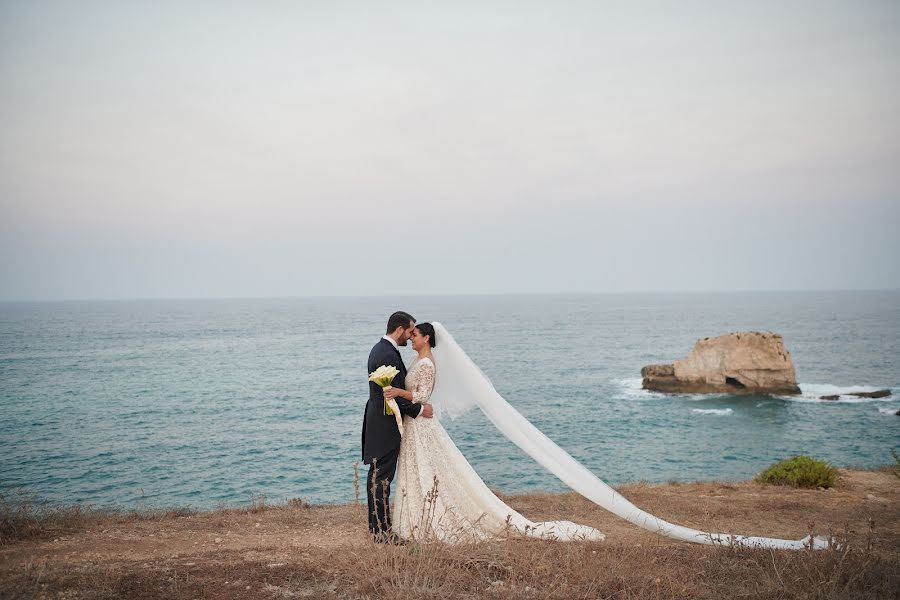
(428,329)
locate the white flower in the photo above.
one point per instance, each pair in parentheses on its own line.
(383,375)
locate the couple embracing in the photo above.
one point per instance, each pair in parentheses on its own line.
(439,496)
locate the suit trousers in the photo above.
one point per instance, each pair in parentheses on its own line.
(378,491)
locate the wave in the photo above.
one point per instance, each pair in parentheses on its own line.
(813,392)
(712,411)
(888,411)
(631,388)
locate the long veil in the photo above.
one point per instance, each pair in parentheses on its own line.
(460,386)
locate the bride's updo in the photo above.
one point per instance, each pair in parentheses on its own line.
(428,329)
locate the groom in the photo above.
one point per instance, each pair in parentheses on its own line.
(380,436)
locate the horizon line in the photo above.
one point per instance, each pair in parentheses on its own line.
(432,294)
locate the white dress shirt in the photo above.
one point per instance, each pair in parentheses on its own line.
(391,340)
(394,344)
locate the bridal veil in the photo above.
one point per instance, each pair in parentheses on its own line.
(460,386)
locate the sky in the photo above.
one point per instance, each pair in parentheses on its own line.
(246,149)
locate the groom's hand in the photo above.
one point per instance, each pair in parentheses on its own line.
(427,411)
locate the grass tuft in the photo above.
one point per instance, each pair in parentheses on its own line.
(800,471)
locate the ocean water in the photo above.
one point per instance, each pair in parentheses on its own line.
(209,402)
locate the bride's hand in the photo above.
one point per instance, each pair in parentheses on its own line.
(392,392)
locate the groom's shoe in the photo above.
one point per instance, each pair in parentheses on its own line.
(388,538)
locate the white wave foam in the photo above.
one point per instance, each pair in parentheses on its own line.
(826,389)
(813,392)
(632,384)
(888,411)
(632,388)
(712,411)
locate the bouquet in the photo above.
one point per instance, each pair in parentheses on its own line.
(383,376)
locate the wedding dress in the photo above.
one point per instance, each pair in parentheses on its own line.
(439,495)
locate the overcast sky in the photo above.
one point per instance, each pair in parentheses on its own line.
(205,149)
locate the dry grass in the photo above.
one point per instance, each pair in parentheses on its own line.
(24,518)
(295,550)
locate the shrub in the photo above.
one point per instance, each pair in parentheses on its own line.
(800,471)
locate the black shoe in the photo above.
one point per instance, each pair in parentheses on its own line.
(388,538)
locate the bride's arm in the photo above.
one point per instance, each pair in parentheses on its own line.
(407,404)
(398,393)
(425,384)
(407,407)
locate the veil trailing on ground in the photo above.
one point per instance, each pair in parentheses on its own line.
(460,386)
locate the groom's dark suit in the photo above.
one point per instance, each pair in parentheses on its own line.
(381,438)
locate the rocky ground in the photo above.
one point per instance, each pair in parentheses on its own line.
(295,550)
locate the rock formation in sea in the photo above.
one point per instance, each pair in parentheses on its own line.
(746,362)
(875,394)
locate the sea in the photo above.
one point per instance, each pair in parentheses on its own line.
(226,402)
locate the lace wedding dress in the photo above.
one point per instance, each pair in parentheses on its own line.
(440,497)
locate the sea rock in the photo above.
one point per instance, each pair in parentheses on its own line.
(746,362)
(876,394)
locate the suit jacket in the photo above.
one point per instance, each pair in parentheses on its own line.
(379,432)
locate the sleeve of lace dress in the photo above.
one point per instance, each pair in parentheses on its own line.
(425,383)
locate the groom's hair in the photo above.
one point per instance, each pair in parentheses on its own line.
(399,319)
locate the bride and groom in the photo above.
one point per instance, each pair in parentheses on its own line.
(439,496)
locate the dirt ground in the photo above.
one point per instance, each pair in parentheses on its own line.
(298,550)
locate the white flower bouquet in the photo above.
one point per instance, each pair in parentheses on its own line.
(383,376)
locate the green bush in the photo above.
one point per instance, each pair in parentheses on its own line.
(800,471)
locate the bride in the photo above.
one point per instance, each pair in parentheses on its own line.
(440,497)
